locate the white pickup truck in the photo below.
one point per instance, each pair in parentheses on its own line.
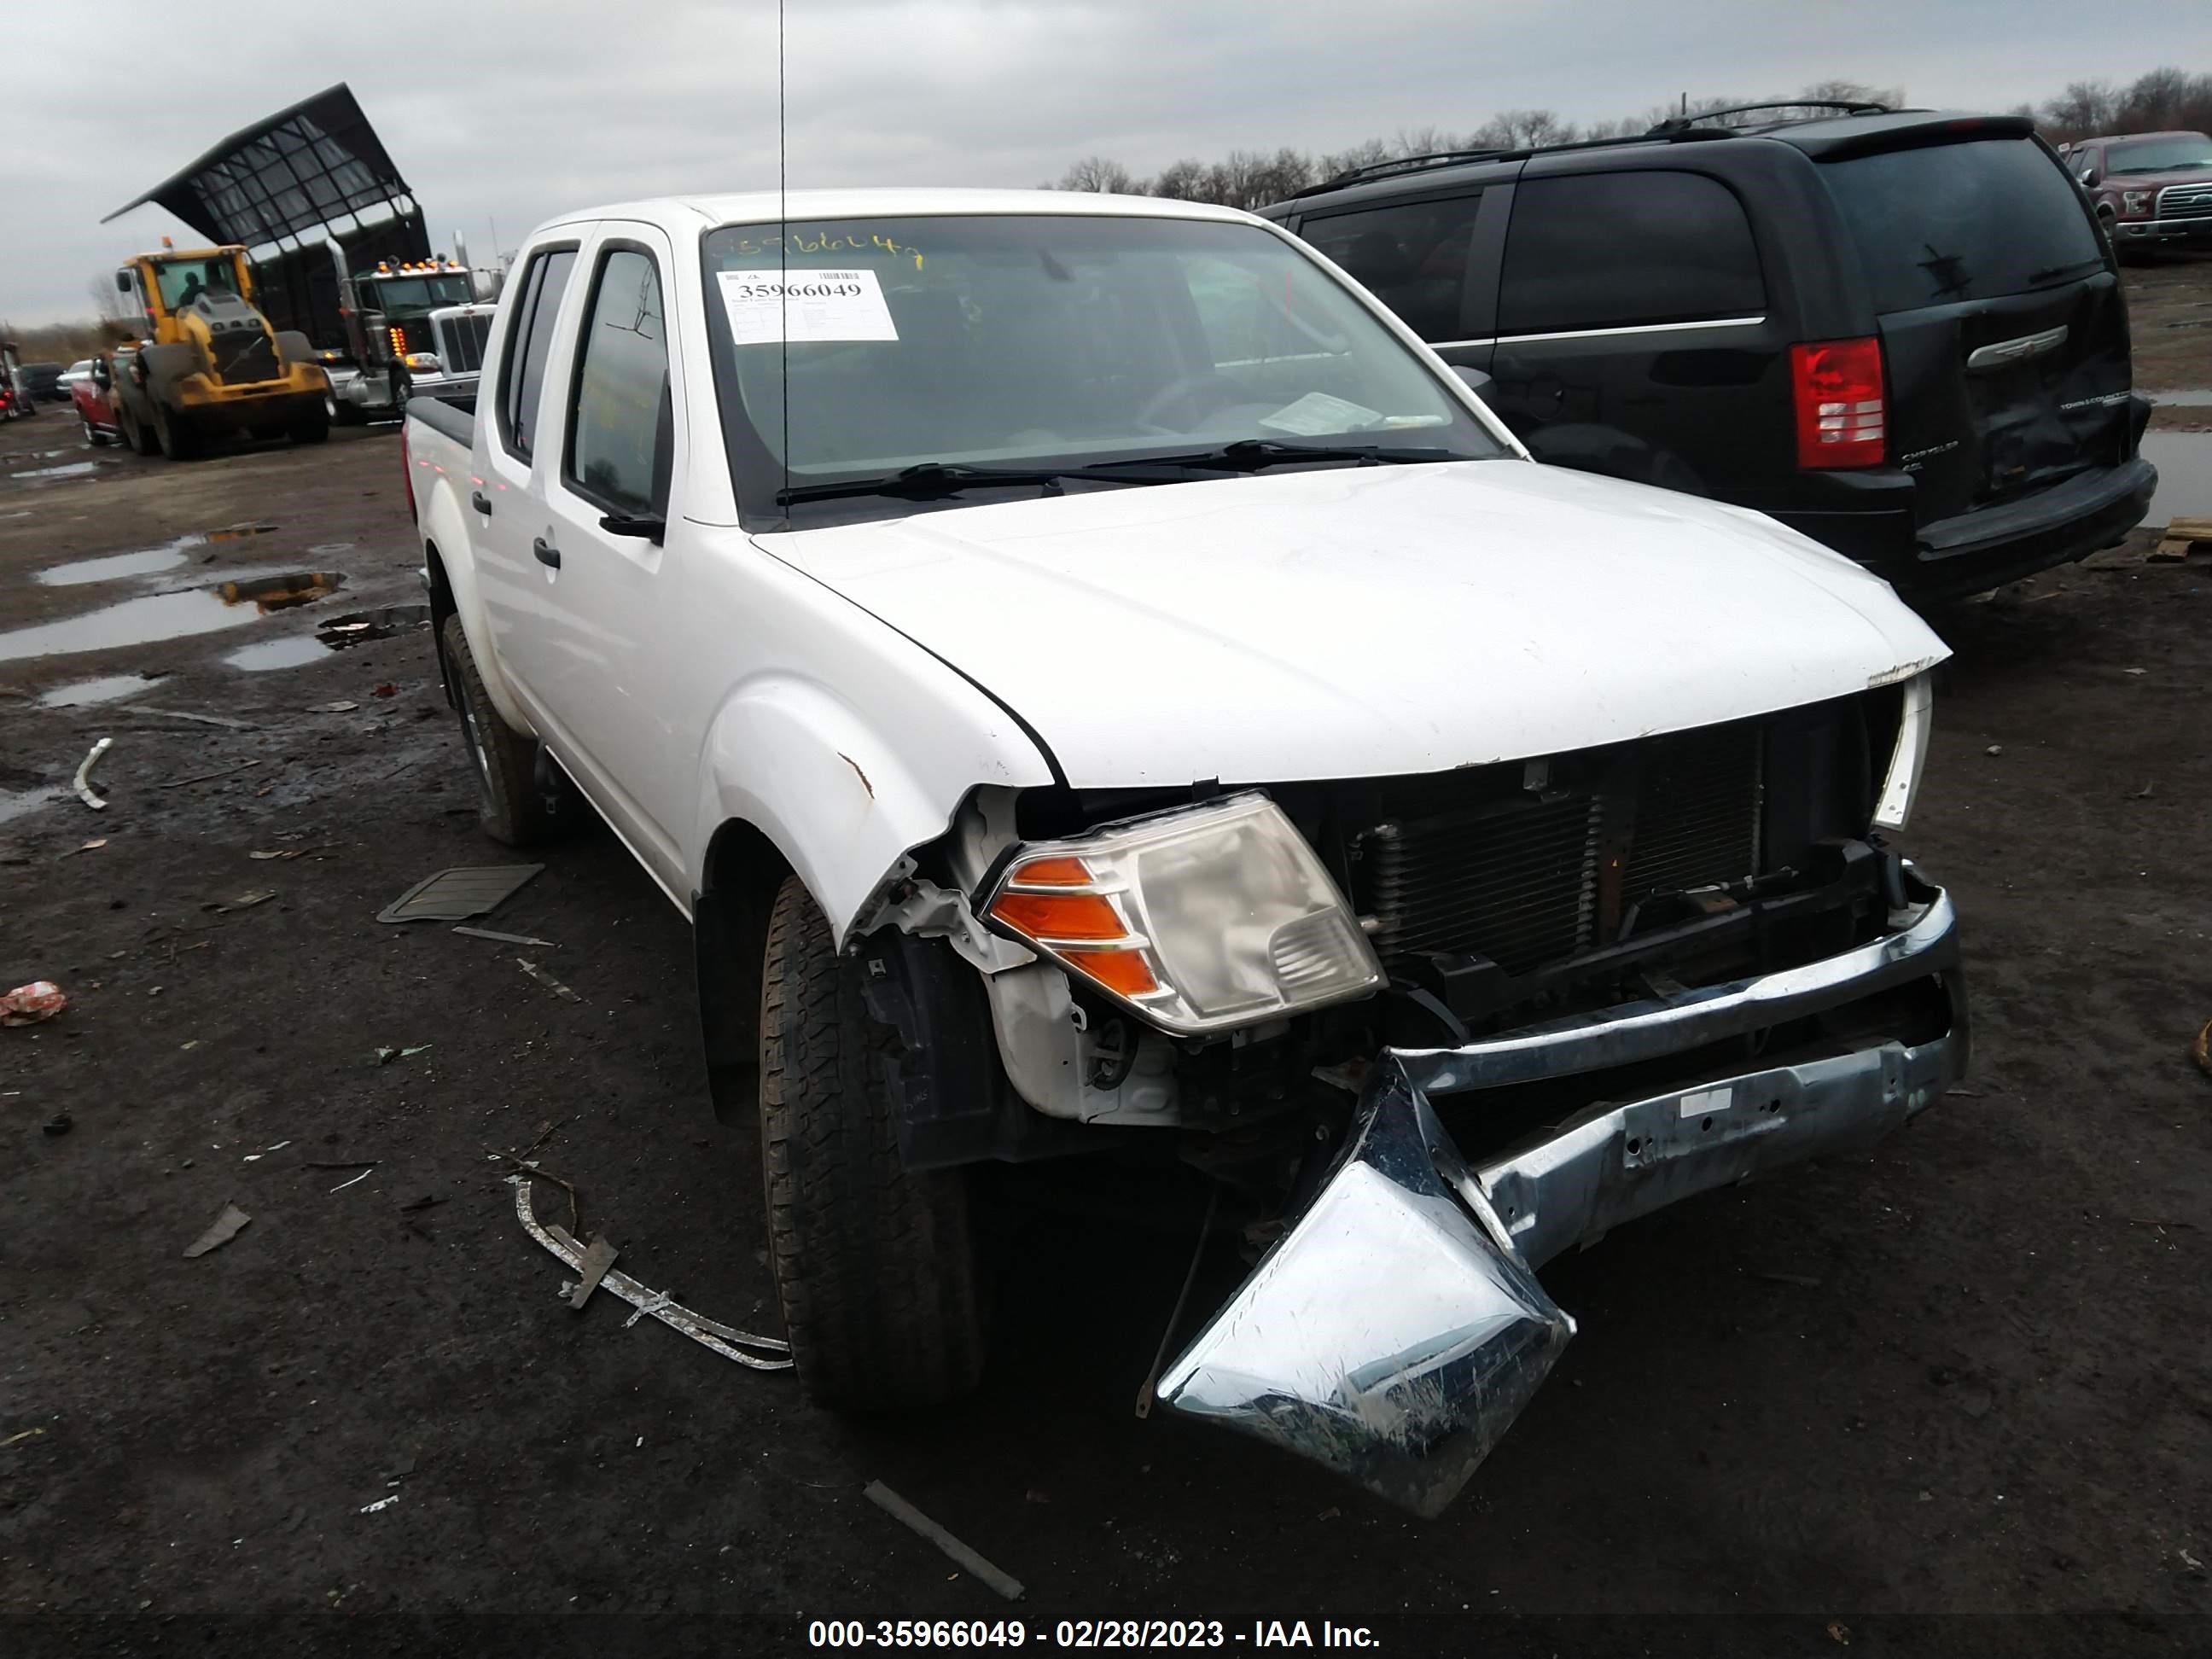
(1099,685)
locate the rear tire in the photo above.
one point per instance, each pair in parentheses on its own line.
(875,1264)
(91,433)
(312,427)
(516,808)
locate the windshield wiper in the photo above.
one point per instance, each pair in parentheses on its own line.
(927,478)
(1250,454)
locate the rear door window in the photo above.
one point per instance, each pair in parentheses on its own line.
(1944,223)
(1413,255)
(1623,249)
(522,374)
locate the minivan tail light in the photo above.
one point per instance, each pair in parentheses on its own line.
(1843,418)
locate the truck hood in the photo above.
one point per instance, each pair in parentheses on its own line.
(1362,622)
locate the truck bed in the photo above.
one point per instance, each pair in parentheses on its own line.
(454,417)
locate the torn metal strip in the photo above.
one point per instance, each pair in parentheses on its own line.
(724,1340)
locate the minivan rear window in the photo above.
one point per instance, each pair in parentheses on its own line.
(1947,222)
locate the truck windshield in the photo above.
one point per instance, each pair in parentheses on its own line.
(1945,222)
(412,296)
(2177,154)
(183,281)
(1033,341)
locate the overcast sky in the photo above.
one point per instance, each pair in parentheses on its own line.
(510,110)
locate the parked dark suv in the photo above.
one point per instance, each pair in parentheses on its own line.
(1897,332)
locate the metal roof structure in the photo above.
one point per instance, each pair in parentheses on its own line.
(305,166)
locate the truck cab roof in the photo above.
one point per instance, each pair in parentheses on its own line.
(693,213)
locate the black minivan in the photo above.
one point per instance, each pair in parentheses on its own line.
(1900,332)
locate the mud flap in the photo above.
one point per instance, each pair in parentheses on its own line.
(1395,1333)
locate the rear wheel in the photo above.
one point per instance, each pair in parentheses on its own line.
(337,412)
(311,428)
(91,433)
(875,1264)
(521,800)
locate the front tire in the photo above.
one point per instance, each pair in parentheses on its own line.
(875,1264)
(92,437)
(516,808)
(179,442)
(311,427)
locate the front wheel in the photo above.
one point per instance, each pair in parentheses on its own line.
(91,433)
(876,1265)
(179,442)
(311,427)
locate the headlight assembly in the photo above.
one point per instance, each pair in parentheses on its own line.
(1915,726)
(1201,919)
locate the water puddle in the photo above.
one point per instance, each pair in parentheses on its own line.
(147,560)
(2183,460)
(294,651)
(15,803)
(329,549)
(337,634)
(170,615)
(109,688)
(67,469)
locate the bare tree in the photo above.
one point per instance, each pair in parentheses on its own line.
(1338,162)
(1525,128)
(1180,181)
(1096,173)
(1853,92)
(2085,107)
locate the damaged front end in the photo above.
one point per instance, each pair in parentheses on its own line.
(1396,1329)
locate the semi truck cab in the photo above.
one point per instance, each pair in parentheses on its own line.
(390,339)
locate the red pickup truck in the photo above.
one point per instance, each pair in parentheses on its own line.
(2149,187)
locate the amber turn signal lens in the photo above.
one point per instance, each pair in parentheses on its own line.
(1053,872)
(1122,971)
(1060,915)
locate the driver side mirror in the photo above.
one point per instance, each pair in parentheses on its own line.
(123,281)
(2091,178)
(1477,380)
(100,376)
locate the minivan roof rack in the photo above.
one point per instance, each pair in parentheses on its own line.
(1435,158)
(1843,106)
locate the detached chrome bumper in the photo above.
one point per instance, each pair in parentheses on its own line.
(1396,1330)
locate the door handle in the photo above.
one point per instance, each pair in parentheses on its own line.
(481,502)
(546,553)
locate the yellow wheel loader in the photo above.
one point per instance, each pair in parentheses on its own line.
(209,365)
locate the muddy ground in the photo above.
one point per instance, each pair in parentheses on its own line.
(1970,1375)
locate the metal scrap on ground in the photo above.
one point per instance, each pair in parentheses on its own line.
(724,1340)
(509,939)
(546,978)
(898,1509)
(597,1260)
(83,780)
(457,894)
(224,1228)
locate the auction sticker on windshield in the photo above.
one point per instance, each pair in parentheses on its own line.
(811,305)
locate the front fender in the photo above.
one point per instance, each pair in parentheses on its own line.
(840,801)
(442,520)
